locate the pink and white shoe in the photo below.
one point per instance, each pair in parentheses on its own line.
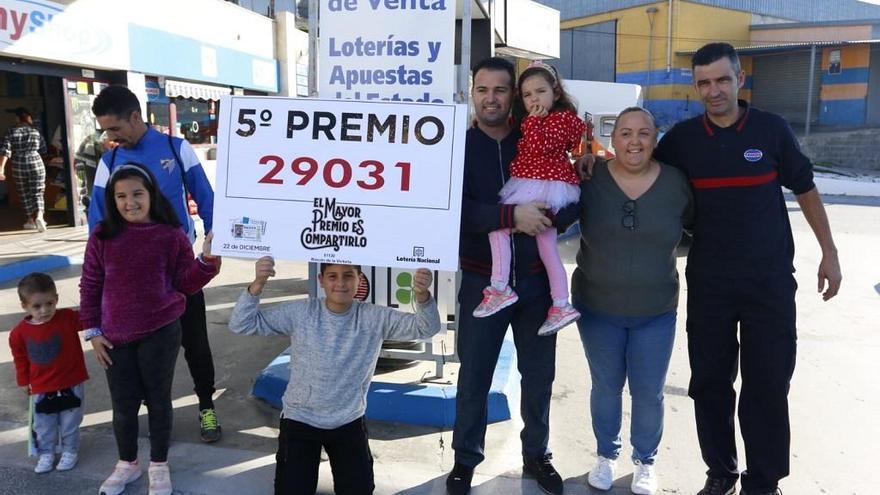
(495,300)
(123,474)
(160,479)
(557,318)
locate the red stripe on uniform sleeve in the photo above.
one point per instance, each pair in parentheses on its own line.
(715,182)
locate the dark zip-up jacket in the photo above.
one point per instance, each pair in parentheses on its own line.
(486,169)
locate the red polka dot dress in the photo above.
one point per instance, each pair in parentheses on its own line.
(542,170)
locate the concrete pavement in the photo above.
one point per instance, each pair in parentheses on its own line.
(833,398)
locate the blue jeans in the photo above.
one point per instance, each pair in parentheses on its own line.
(479,343)
(620,348)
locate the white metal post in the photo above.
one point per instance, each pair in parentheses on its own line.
(810,90)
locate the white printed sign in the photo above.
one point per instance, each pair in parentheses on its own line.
(372,183)
(392,50)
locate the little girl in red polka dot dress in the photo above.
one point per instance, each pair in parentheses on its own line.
(541,173)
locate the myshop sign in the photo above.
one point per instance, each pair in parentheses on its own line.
(18,18)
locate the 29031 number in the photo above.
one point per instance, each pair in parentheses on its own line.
(336,172)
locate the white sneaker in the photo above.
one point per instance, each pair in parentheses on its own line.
(68,460)
(45,463)
(160,478)
(602,474)
(123,474)
(644,479)
(40,224)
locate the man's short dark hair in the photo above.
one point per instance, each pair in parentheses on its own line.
(35,283)
(716,51)
(117,101)
(495,63)
(324,266)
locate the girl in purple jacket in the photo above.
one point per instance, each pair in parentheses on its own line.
(138,268)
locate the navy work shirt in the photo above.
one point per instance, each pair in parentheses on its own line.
(741,225)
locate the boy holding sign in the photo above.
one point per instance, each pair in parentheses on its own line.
(335,342)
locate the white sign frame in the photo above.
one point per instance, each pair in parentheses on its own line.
(283,190)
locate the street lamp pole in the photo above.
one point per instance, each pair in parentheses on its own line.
(651,11)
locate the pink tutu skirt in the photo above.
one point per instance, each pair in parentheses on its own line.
(555,193)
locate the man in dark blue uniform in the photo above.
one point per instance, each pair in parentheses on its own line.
(739,272)
(489,149)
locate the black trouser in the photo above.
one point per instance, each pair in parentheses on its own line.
(764,308)
(299,455)
(197,349)
(143,370)
(479,345)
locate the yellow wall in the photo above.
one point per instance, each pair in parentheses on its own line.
(853,59)
(632,35)
(825,33)
(693,25)
(668,93)
(850,56)
(843,91)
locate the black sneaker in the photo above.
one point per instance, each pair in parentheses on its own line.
(209,426)
(719,486)
(542,470)
(459,480)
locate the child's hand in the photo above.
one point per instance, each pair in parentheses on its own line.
(100,345)
(263,269)
(584,166)
(538,111)
(206,247)
(206,251)
(422,282)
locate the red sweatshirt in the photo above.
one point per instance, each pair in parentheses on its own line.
(49,356)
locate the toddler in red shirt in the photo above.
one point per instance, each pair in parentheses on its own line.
(50,367)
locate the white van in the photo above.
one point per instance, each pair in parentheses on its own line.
(603,101)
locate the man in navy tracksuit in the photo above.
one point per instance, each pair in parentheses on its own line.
(489,149)
(178,171)
(739,272)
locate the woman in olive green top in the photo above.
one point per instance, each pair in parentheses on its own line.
(626,287)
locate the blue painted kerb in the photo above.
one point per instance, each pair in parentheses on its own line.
(45,263)
(418,404)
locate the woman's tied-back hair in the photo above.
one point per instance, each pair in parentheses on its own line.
(637,109)
(537,68)
(161,210)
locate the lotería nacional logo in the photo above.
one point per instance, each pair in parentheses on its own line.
(334,226)
(418,256)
